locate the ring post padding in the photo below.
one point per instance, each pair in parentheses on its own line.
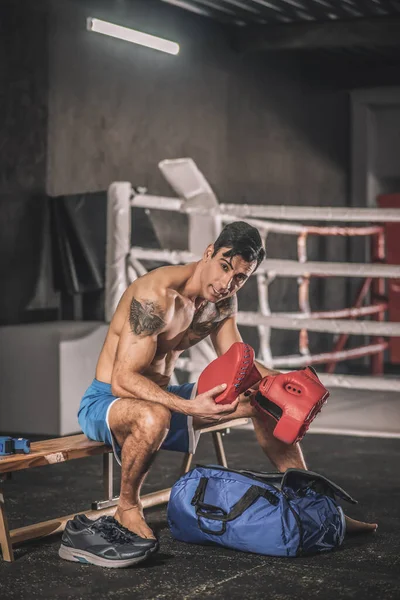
(118,244)
(191,185)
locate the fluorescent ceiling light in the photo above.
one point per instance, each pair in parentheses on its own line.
(131,35)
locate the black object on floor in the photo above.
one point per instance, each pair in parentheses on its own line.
(104,543)
(365,567)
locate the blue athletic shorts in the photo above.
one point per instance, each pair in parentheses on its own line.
(94,410)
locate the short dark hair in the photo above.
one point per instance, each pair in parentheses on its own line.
(243,240)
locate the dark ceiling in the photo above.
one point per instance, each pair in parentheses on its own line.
(269,12)
(367,30)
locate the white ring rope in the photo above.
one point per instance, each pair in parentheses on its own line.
(297,229)
(322,325)
(292,268)
(280,268)
(283,213)
(364,382)
(342,313)
(304,361)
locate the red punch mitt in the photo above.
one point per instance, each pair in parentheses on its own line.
(293,399)
(235,368)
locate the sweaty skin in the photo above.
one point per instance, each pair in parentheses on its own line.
(159,316)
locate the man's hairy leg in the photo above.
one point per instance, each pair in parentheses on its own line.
(281,455)
(285,456)
(140,428)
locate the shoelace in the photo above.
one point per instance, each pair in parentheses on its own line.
(125,530)
(111,531)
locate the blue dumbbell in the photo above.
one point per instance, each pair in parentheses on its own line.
(9,445)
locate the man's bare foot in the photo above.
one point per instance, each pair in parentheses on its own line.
(353,526)
(132,518)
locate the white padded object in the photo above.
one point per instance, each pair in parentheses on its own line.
(45,369)
(188,181)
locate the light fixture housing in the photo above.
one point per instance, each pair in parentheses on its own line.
(131,35)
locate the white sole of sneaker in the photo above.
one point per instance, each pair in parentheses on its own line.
(84,557)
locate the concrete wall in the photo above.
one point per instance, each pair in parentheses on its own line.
(23,148)
(23,97)
(84,110)
(261,131)
(257,128)
(116,108)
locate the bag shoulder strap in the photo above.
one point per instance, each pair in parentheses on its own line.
(252,495)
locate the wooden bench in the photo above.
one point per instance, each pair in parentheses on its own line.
(50,452)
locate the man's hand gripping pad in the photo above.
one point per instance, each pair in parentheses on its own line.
(293,399)
(235,368)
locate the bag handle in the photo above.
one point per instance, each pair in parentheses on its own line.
(216,513)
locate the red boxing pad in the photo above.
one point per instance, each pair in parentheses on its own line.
(293,400)
(235,368)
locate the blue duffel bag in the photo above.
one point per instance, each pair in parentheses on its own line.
(278,514)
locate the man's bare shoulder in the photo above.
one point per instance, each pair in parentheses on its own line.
(151,308)
(146,306)
(147,316)
(162,281)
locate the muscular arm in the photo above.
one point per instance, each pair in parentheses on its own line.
(148,317)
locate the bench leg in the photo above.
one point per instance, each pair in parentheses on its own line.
(219,448)
(5,539)
(109,499)
(186,464)
(108,472)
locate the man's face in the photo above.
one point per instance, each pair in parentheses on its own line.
(223,276)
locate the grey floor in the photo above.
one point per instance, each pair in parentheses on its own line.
(365,567)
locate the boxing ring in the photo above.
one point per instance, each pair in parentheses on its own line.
(206,217)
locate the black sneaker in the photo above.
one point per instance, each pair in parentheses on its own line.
(102,543)
(86,522)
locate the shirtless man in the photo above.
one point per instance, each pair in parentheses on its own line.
(159,316)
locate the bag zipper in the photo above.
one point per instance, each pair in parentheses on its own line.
(244,473)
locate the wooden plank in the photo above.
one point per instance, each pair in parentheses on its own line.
(226,425)
(369,32)
(53,526)
(48,452)
(5,537)
(45,528)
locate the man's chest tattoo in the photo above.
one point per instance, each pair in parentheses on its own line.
(207,319)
